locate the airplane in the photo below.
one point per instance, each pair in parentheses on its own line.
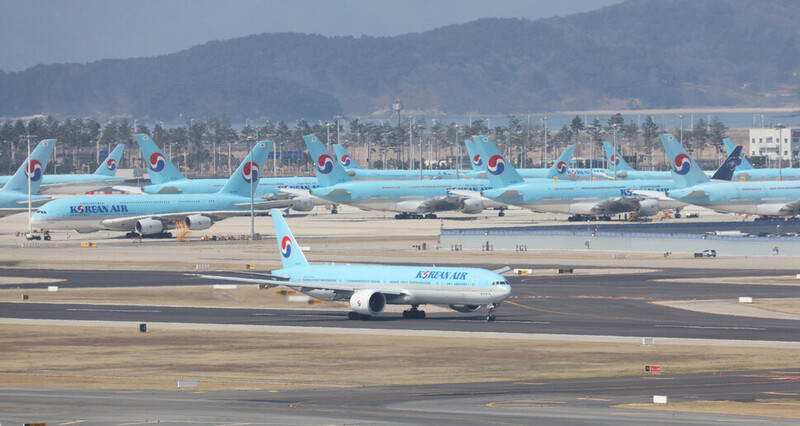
(14,195)
(369,288)
(538,173)
(625,171)
(582,199)
(152,214)
(411,199)
(358,172)
(103,176)
(764,198)
(167,179)
(746,171)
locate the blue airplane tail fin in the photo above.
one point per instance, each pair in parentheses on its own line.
(475,156)
(725,171)
(159,167)
(33,168)
(344,157)
(246,176)
(499,171)
(109,166)
(613,157)
(328,171)
(742,163)
(685,170)
(560,168)
(291,255)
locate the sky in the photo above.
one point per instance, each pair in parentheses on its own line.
(56,31)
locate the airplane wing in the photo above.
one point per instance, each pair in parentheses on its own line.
(791,208)
(656,195)
(261,204)
(9,211)
(126,223)
(343,289)
(34,202)
(128,189)
(296,191)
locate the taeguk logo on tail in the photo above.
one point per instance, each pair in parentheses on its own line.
(34,170)
(682,164)
(286,247)
(325,164)
(250,171)
(476,160)
(496,164)
(345,160)
(561,167)
(615,159)
(157,162)
(111,164)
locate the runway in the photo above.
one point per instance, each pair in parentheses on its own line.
(616,305)
(572,401)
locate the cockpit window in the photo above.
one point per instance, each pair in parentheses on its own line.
(499,282)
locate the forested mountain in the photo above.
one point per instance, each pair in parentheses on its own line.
(637,54)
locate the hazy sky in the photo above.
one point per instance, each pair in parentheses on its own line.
(53,31)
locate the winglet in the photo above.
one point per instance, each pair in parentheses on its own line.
(685,170)
(613,157)
(32,168)
(344,157)
(159,167)
(741,163)
(291,255)
(725,171)
(248,173)
(328,171)
(499,171)
(109,166)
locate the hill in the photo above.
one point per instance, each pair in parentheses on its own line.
(637,54)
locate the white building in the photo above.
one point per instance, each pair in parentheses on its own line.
(765,142)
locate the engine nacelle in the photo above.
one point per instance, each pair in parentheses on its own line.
(465,308)
(368,302)
(302,204)
(148,227)
(471,206)
(197,222)
(647,207)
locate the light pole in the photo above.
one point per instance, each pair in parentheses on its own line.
(420,151)
(544,120)
(680,117)
(615,125)
(328,131)
(458,150)
(410,143)
(780,128)
(29,171)
(591,128)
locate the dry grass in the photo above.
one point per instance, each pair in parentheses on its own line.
(775,408)
(789,306)
(123,358)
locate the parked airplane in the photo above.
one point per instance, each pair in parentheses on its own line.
(152,214)
(14,195)
(580,199)
(104,175)
(746,171)
(358,172)
(167,179)
(369,288)
(763,198)
(411,199)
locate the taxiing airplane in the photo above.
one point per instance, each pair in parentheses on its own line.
(167,179)
(14,195)
(106,174)
(152,214)
(358,172)
(369,288)
(581,199)
(746,171)
(765,198)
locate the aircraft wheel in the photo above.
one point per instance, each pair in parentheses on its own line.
(501,214)
(352,316)
(490,318)
(334,211)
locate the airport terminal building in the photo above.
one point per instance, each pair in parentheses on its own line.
(765,142)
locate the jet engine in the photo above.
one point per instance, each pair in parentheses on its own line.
(148,227)
(302,204)
(465,308)
(197,222)
(471,206)
(648,207)
(368,302)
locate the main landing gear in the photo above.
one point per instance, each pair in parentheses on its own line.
(405,215)
(502,213)
(413,313)
(490,316)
